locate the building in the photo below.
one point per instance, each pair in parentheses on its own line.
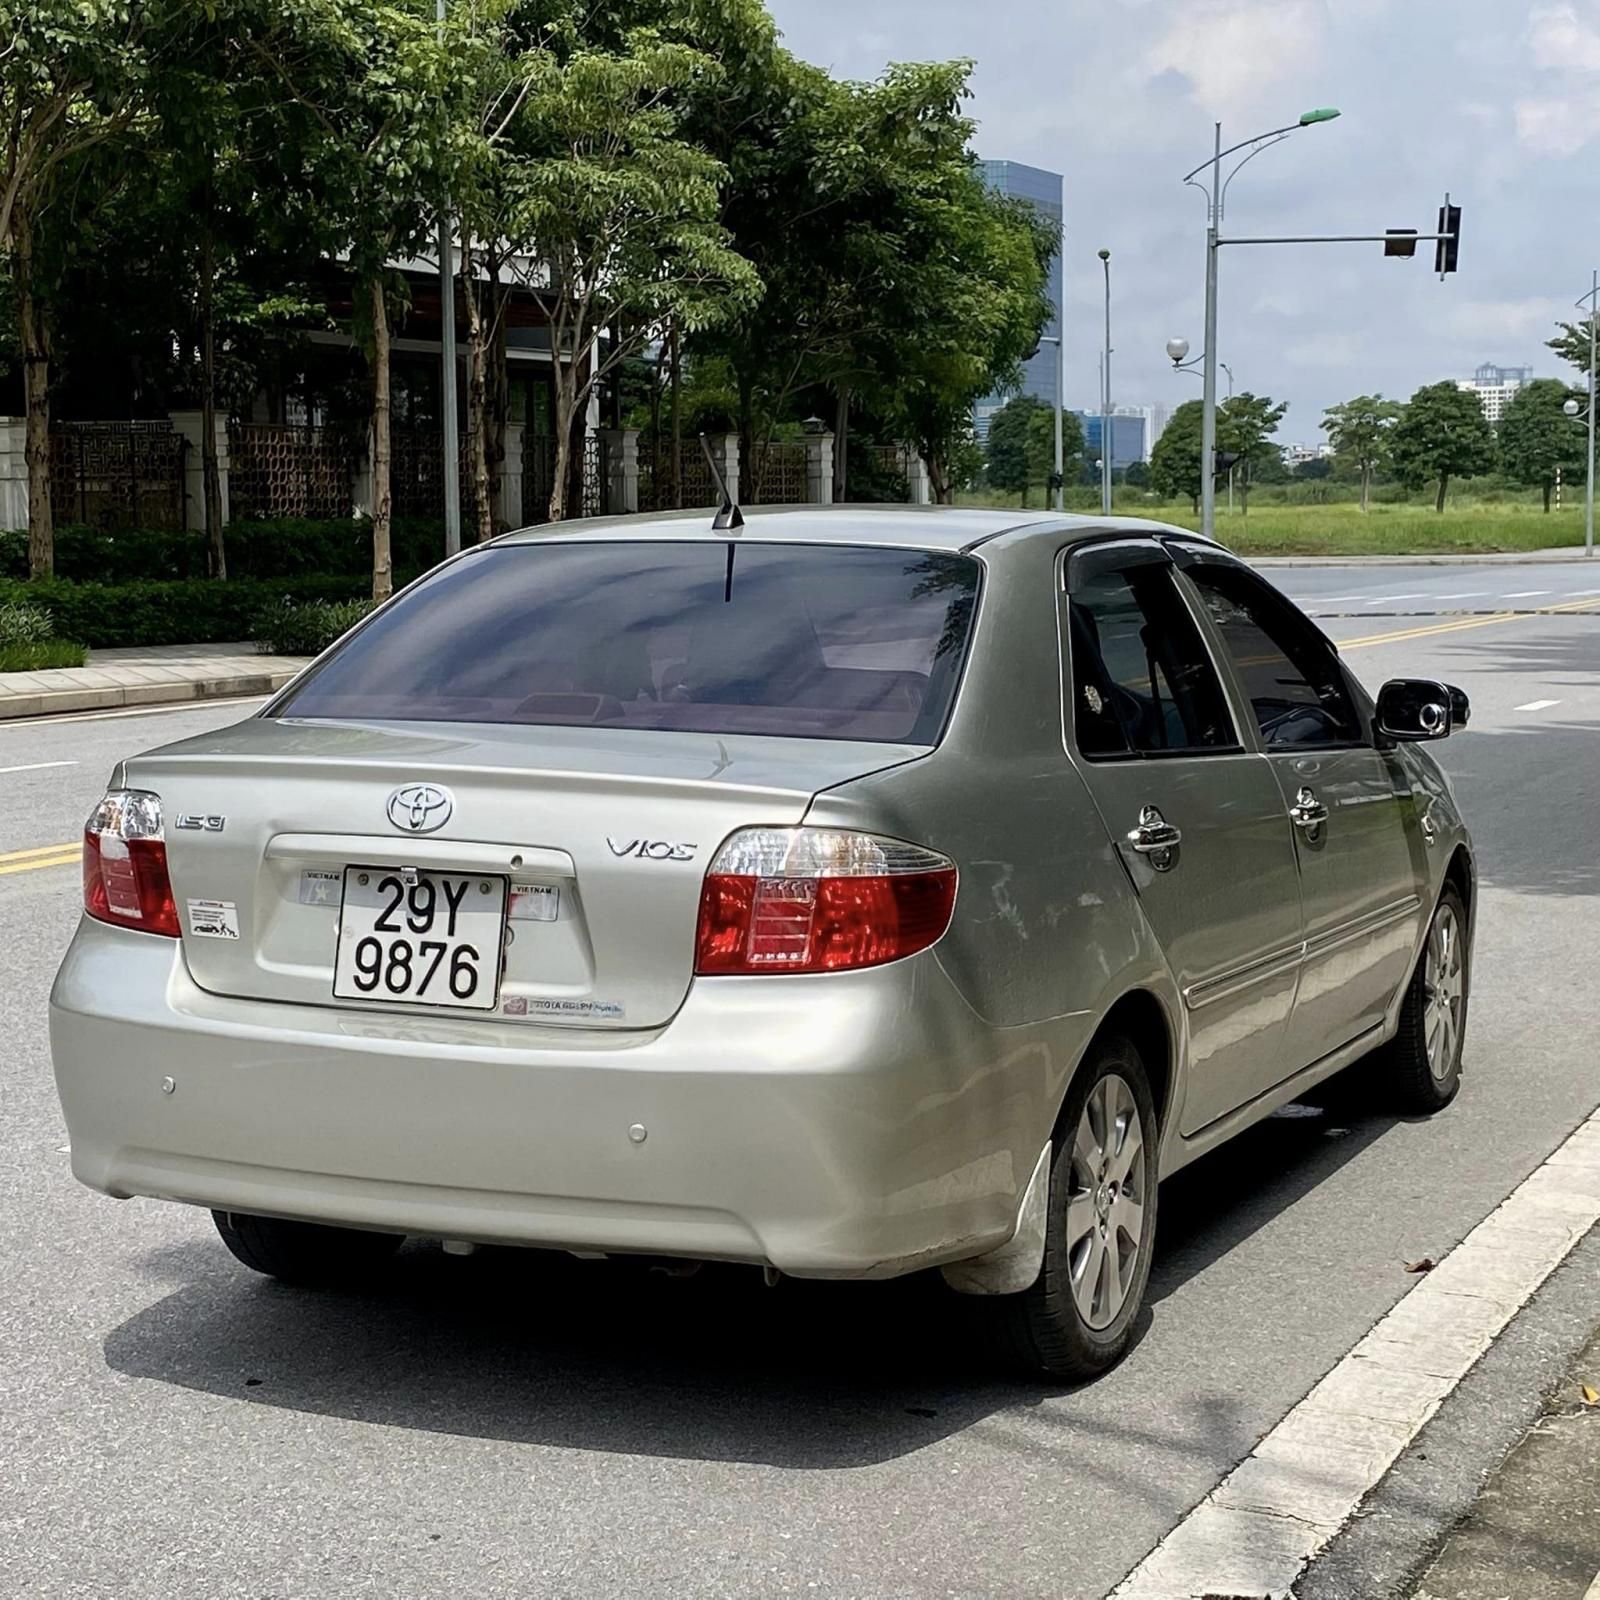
(1495,387)
(1296,455)
(1043,191)
(1134,431)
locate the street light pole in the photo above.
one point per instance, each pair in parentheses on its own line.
(1231,470)
(1208,398)
(1593,297)
(447,342)
(1061,371)
(1105,400)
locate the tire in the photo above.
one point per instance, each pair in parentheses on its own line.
(1420,1069)
(305,1252)
(1067,1326)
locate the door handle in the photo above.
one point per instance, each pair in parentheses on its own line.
(1156,839)
(1308,811)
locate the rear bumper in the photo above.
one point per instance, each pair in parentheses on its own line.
(853,1125)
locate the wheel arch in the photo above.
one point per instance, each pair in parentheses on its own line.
(1461,875)
(1140,1017)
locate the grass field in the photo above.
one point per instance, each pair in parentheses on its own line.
(1340,529)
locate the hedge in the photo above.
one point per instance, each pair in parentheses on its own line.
(307,628)
(287,548)
(164,611)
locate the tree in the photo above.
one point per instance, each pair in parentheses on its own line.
(1312,471)
(1359,432)
(1538,439)
(1013,458)
(1175,461)
(618,201)
(1245,423)
(1138,475)
(71,77)
(1572,344)
(1441,435)
(374,140)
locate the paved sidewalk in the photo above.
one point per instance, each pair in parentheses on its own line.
(155,675)
(1535,1532)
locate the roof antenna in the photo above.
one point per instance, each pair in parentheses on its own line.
(728,515)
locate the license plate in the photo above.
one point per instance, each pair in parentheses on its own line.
(422,939)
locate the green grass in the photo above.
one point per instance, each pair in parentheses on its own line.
(1341,529)
(40,654)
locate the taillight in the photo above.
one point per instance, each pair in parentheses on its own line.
(125,879)
(819,900)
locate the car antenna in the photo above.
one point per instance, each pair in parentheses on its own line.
(728,514)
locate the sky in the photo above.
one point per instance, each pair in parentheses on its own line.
(1496,101)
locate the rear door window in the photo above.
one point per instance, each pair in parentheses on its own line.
(805,641)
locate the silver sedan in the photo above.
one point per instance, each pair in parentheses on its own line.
(848,894)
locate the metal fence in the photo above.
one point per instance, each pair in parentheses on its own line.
(416,474)
(118,474)
(658,491)
(286,471)
(776,476)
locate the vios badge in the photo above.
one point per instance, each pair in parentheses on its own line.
(421,807)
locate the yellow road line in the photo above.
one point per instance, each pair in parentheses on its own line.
(42,850)
(66,858)
(1461,624)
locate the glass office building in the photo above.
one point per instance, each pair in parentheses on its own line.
(1042,190)
(1130,437)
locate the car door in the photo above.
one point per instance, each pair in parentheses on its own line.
(1350,803)
(1196,818)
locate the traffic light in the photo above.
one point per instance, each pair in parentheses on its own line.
(1225,462)
(1447,249)
(1400,242)
(1053,481)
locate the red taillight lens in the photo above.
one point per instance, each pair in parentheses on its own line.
(125,880)
(819,900)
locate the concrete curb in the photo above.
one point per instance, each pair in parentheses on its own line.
(55,702)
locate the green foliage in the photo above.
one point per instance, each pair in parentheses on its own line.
(1137,475)
(1245,424)
(42,656)
(1359,431)
(284,548)
(196,611)
(1175,461)
(1572,344)
(306,628)
(1012,460)
(21,623)
(1442,435)
(1538,439)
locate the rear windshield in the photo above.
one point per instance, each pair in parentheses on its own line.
(806,641)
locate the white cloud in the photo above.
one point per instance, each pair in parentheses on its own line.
(1230,49)
(1559,38)
(1565,115)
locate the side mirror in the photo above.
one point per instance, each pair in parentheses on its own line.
(1411,710)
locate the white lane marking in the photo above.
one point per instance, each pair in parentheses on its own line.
(1466,594)
(38,766)
(219,703)
(1256,1531)
(1537,705)
(1327,599)
(1525,594)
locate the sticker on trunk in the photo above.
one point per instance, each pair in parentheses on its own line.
(319,887)
(214,919)
(523,1006)
(534,902)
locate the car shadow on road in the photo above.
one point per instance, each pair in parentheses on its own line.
(539,1348)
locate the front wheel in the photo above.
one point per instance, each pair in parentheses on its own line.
(1077,1320)
(305,1252)
(1424,1060)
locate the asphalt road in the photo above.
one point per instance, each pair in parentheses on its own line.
(171,1426)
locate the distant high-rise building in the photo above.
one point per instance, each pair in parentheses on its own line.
(1134,431)
(1042,190)
(1495,387)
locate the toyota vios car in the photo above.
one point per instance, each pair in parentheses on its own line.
(850,893)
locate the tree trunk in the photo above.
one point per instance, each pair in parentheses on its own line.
(566,405)
(1444,483)
(499,399)
(382,557)
(841,445)
(750,488)
(1366,487)
(677,422)
(1547,497)
(477,391)
(35,331)
(216,551)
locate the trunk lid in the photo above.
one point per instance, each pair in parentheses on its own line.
(603,835)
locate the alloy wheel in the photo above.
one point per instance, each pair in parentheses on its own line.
(1106,1201)
(1443,991)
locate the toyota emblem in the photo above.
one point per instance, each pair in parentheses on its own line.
(421,807)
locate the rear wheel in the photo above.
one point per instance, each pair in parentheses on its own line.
(1078,1318)
(1421,1069)
(305,1252)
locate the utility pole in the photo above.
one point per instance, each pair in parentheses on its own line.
(1593,298)
(450,442)
(1061,370)
(1105,399)
(1208,393)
